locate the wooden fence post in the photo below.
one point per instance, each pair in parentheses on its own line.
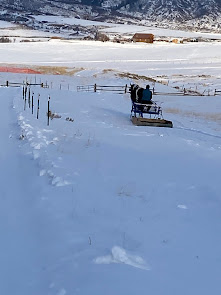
(184,91)
(95,87)
(125,90)
(7,83)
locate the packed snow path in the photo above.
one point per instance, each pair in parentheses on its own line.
(118,210)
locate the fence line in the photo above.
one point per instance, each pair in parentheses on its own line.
(18,84)
(124,89)
(95,88)
(177,93)
(217,92)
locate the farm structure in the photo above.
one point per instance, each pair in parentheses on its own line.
(146,38)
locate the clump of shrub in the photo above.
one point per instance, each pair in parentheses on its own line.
(69,119)
(5,40)
(53,115)
(101,37)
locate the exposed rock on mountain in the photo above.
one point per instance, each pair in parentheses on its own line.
(200,13)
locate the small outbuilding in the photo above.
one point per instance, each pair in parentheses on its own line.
(146,38)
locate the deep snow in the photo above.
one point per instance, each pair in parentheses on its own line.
(92,204)
(115,208)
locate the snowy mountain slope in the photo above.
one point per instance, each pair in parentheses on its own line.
(195,13)
(174,10)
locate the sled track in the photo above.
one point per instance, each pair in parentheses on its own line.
(198,132)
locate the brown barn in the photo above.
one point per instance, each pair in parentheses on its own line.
(147,38)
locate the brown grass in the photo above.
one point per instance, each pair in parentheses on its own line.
(53,115)
(135,77)
(54,70)
(207,116)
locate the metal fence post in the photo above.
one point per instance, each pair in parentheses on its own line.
(32,103)
(38,106)
(48,109)
(29,97)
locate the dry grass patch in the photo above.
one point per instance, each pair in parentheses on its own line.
(210,117)
(134,76)
(52,115)
(105,71)
(54,70)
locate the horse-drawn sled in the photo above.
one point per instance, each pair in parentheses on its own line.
(141,110)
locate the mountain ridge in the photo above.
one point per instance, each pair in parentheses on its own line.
(202,13)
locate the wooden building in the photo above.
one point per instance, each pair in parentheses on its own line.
(147,38)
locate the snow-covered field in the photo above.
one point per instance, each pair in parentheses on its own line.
(4,24)
(127,30)
(92,204)
(194,66)
(99,206)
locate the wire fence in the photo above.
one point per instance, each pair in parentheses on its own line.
(125,89)
(19,84)
(98,88)
(189,92)
(217,92)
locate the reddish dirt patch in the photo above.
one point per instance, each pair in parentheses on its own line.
(18,70)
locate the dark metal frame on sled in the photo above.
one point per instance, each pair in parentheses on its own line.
(151,109)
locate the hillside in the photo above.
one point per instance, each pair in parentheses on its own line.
(183,13)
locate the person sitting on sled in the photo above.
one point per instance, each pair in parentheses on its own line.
(147,96)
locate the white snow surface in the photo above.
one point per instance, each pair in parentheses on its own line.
(4,24)
(129,30)
(194,66)
(111,29)
(96,205)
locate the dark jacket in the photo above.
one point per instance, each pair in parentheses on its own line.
(147,95)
